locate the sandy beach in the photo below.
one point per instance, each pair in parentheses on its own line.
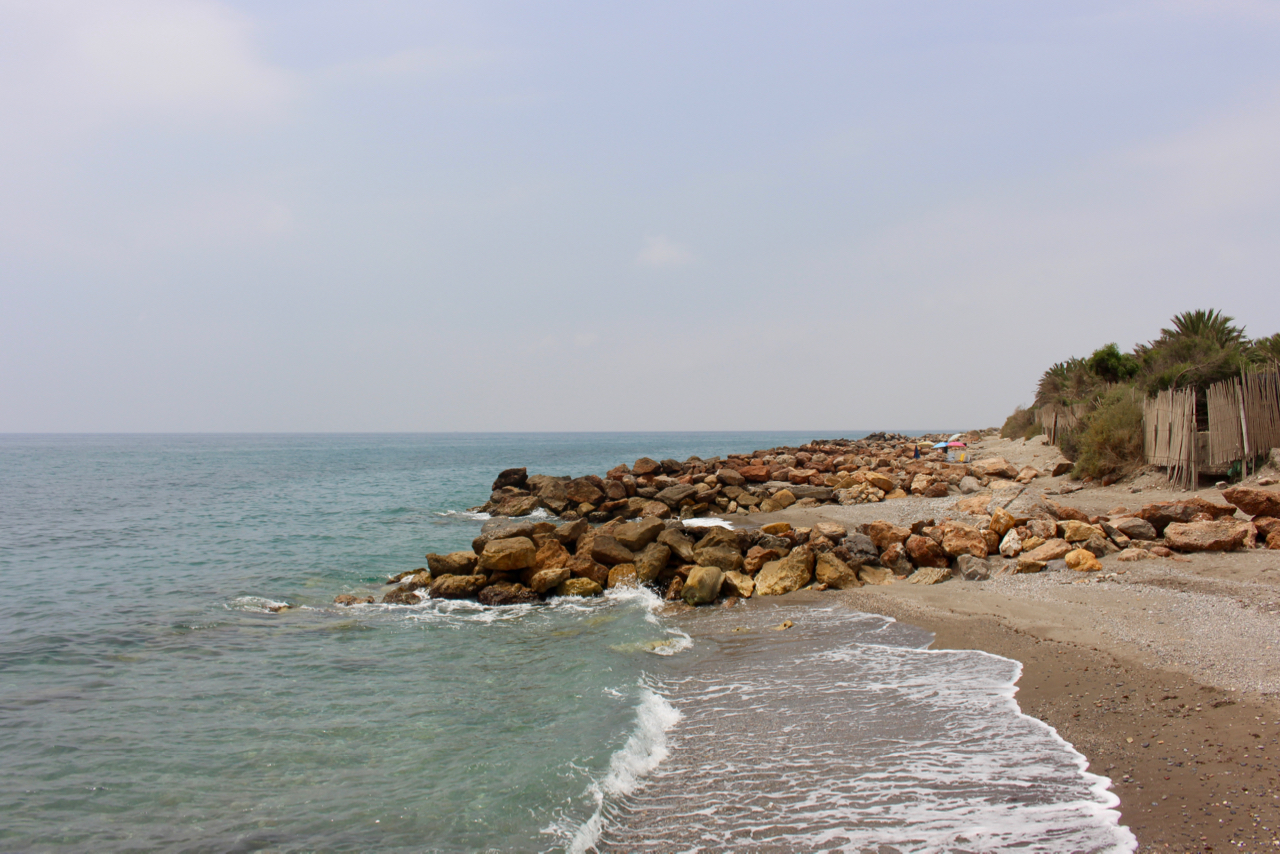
(1164,673)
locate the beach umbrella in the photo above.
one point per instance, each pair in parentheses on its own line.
(941,445)
(955,444)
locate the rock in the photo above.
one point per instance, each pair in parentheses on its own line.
(609,551)
(1002,521)
(517,506)
(833,572)
(582,491)
(883,534)
(973,568)
(937,489)
(1026,564)
(818,493)
(995,467)
(418,580)
(1026,474)
(1082,560)
(877,575)
(880,481)
(503,529)
(511,477)
(784,498)
(650,561)
(963,539)
(673,495)
(454,563)
(646,466)
(895,558)
(655,510)
(675,589)
(1098,544)
(758,556)
(347,600)
(1135,528)
(1061,467)
(1266,526)
(1134,554)
(458,586)
(681,544)
(552,492)
(1254,502)
(1221,535)
(831,531)
(623,575)
(783,576)
(569,532)
(1011,545)
(974,505)
(1062,511)
(755,474)
(551,555)
(1052,550)
(579,587)
(507,555)
(737,584)
(542,580)
(860,548)
(1273,540)
(402,596)
(969,484)
(729,538)
(924,551)
(730,477)
(1032,542)
(719,556)
(776,529)
(1074,531)
(507,593)
(636,535)
(930,575)
(582,566)
(1164,513)
(703,585)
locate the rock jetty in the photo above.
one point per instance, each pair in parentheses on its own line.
(642,539)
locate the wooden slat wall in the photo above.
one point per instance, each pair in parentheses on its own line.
(1169,422)
(1226,439)
(1261,397)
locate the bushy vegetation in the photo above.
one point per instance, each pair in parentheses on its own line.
(1198,349)
(1110,441)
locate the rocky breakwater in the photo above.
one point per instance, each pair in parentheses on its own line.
(877,468)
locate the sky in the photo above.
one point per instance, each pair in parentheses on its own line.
(413,216)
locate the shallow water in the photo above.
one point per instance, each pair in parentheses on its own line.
(149,701)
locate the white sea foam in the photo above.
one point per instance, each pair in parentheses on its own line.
(644,751)
(707,522)
(471,515)
(257,604)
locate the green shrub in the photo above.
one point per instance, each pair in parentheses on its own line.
(1017,424)
(1034,430)
(1111,439)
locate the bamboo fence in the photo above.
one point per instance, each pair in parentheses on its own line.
(1057,419)
(1244,423)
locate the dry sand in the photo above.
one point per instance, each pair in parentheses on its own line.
(1164,673)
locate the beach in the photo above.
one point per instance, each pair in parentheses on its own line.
(1164,673)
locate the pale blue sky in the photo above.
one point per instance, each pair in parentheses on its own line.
(297,216)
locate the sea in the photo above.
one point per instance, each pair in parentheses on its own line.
(152,700)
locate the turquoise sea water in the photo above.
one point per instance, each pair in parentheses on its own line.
(149,701)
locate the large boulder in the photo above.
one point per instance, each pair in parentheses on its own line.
(518,505)
(703,585)
(582,491)
(833,572)
(737,584)
(755,474)
(1266,526)
(930,575)
(623,575)
(636,535)
(551,554)
(402,596)
(720,556)
(582,566)
(860,548)
(646,466)
(507,555)
(757,557)
(511,477)
(650,561)
(542,580)
(1253,501)
(896,560)
(673,495)
(349,599)
(730,477)
(995,467)
(1001,521)
(553,493)
(569,532)
(783,576)
(1164,513)
(1074,531)
(1082,560)
(458,586)
(579,587)
(507,593)
(974,568)
(877,575)
(1135,528)
(880,481)
(609,551)
(831,530)
(963,539)
(730,538)
(883,533)
(925,551)
(1062,511)
(680,543)
(1011,545)
(454,563)
(1220,535)
(1051,550)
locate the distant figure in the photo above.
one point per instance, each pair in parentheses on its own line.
(917,455)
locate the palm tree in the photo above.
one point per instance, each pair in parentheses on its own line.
(1210,324)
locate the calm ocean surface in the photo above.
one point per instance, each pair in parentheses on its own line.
(150,702)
